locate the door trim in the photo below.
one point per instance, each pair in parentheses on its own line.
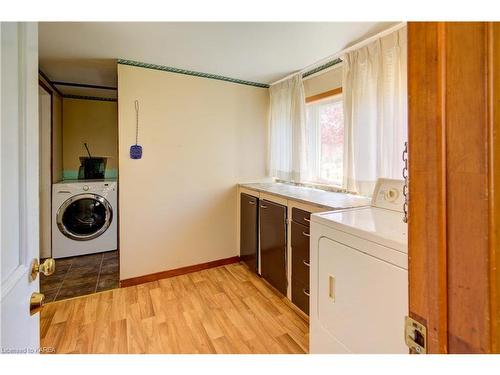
(427,187)
(493,29)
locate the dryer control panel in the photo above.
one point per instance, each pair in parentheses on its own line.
(388,194)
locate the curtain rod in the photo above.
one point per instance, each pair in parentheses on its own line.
(339,54)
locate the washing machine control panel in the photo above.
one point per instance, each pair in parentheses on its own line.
(76,187)
(388,194)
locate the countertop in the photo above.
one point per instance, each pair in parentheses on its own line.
(329,200)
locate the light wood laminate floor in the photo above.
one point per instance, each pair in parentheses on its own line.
(221,310)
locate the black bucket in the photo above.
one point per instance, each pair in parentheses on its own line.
(92,168)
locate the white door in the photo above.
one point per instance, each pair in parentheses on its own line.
(19,221)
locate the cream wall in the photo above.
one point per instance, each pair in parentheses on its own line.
(200,138)
(94,122)
(327,81)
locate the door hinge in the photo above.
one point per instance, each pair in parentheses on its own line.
(415,336)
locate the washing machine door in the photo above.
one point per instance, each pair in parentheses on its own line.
(84,217)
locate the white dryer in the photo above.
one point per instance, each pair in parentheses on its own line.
(84,217)
(359,276)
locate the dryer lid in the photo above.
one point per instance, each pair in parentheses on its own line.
(379,225)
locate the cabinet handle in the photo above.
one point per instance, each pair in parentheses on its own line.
(331,287)
(306,234)
(251,202)
(306,263)
(262,206)
(306,292)
(306,219)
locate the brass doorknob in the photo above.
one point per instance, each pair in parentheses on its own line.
(36,302)
(48,267)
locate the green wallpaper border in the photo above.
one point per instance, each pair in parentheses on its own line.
(321,67)
(70,174)
(84,97)
(190,73)
(218,77)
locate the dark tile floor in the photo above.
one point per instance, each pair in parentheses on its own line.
(81,275)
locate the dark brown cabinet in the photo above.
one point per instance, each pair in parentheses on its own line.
(249,230)
(300,258)
(273,244)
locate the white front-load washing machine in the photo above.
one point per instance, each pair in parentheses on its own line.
(359,276)
(84,217)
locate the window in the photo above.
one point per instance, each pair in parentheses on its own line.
(325,141)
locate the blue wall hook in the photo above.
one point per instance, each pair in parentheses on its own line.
(136,150)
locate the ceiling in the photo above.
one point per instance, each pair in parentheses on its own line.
(86,52)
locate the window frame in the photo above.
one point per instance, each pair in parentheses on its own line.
(323,95)
(315,99)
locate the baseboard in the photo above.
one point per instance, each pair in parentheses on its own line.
(178,271)
(298,311)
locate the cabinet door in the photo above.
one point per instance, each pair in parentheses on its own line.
(249,230)
(273,244)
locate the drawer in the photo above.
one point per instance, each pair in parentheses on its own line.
(300,269)
(300,240)
(300,297)
(301,216)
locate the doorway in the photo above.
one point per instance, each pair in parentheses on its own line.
(78,212)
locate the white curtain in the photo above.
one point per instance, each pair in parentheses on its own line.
(375,112)
(287,130)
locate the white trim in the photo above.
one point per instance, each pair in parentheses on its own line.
(32,207)
(1,181)
(344,51)
(273,198)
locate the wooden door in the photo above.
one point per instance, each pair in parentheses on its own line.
(249,230)
(453,89)
(273,244)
